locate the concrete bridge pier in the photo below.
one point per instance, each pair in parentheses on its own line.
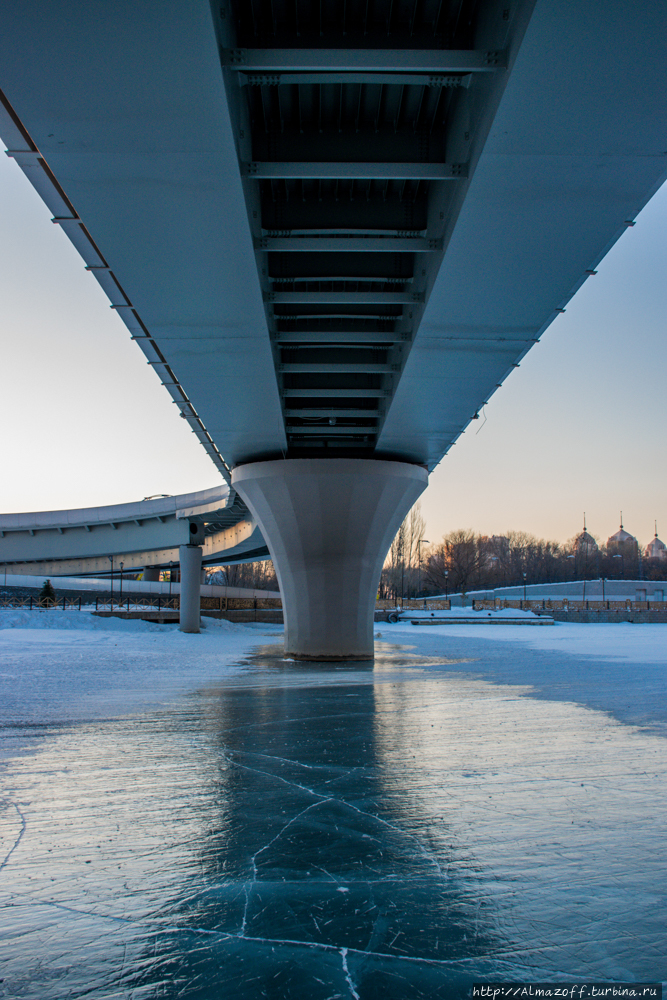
(190,565)
(328,524)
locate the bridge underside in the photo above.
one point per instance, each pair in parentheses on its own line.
(358,130)
(334,230)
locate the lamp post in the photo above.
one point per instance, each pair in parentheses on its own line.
(524,585)
(121,582)
(110,558)
(422,541)
(494,578)
(446,584)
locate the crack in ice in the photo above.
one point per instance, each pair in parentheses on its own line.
(156,925)
(253,860)
(348,977)
(343,802)
(21,832)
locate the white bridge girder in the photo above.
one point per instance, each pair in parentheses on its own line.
(144,534)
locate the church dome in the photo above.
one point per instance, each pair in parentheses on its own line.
(655,548)
(621,537)
(585,541)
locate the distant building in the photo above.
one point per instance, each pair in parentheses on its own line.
(584,543)
(655,548)
(623,540)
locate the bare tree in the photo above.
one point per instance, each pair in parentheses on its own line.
(400,573)
(254,575)
(455,563)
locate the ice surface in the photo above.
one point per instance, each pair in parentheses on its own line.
(190,816)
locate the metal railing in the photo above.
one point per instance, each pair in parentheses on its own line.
(138,604)
(101,604)
(43,603)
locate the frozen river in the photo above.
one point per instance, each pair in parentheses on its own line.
(192,816)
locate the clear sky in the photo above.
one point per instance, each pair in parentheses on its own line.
(580,426)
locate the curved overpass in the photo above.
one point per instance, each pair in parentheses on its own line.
(144,535)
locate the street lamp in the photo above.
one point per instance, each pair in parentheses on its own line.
(110,558)
(446,584)
(524,585)
(121,582)
(422,541)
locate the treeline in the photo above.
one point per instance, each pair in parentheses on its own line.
(465,560)
(253,575)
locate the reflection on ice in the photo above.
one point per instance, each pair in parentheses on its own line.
(349,830)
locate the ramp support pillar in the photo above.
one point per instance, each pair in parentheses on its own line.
(190,564)
(328,524)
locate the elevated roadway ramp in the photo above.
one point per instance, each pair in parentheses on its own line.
(144,535)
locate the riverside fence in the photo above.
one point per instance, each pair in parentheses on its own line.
(563,609)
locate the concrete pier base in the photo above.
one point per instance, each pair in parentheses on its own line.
(151,574)
(328,524)
(190,565)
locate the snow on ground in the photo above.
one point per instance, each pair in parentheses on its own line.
(72,666)
(621,641)
(620,669)
(65,667)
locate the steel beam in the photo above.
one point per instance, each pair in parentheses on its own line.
(327,430)
(429,61)
(345,244)
(334,277)
(349,170)
(324,414)
(339,393)
(334,368)
(299,317)
(344,298)
(339,337)
(367,443)
(377,79)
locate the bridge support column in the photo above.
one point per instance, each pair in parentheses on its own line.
(328,524)
(190,565)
